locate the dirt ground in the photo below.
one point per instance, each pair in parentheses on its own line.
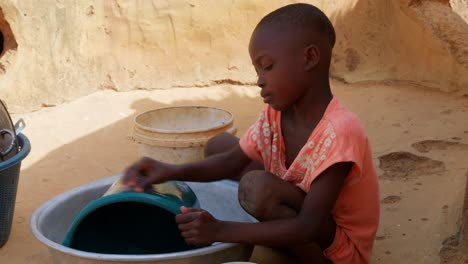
(419,140)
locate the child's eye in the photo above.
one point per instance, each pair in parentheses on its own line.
(268,68)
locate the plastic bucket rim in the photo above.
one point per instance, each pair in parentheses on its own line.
(25,149)
(169,143)
(169,131)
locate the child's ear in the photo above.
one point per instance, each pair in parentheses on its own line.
(311,57)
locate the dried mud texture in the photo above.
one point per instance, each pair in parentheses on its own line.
(406,165)
(449,253)
(391,199)
(448,26)
(421,42)
(430,145)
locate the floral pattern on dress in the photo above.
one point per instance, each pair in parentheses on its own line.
(269,144)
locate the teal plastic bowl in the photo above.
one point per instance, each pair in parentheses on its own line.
(125,222)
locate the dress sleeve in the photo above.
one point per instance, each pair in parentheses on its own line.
(249,142)
(338,145)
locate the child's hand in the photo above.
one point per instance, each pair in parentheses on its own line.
(197,226)
(141,175)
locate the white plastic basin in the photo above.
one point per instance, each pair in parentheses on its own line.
(50,222)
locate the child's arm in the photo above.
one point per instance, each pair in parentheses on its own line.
(199,227)
(217,167)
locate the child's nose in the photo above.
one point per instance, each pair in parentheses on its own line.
(260,81)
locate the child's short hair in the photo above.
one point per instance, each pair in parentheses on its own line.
(302,16)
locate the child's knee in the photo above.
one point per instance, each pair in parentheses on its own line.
(254,194)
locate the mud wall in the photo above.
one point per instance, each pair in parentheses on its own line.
(55,51)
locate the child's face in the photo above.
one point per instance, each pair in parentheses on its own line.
(279,64)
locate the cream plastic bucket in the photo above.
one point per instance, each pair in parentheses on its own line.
(178,135)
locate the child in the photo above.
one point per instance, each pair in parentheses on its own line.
(315,189)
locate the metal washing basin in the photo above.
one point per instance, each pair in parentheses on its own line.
(51,221)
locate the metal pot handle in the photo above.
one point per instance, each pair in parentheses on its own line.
(19,126)
(12,144)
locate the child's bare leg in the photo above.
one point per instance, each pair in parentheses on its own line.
(264,196)
(267,197)
(224,142)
